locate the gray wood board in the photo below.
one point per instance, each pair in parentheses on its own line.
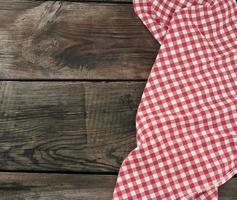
(67,126)
(72,40)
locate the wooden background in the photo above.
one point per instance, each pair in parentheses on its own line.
(72,75)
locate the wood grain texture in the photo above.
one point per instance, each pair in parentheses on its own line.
(72,40)
(67,126)
(20,186)
(28,186)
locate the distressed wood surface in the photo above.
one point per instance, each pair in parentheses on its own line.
(29,186)
(71,40)
(229,190)
(67,126)
(21,186)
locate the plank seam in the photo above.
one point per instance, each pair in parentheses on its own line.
(73,80)
(92,1)
(58,172)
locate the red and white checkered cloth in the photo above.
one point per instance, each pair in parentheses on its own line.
(187,119)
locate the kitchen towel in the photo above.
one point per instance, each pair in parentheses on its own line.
(186,122)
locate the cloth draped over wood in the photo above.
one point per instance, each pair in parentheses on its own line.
(186,123)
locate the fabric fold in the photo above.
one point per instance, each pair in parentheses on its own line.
(186,122)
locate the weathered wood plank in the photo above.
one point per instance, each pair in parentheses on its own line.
(229,190)
(73,126)
(72,40)
(74,187)
(22,186)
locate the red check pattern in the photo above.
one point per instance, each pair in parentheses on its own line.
(186,122)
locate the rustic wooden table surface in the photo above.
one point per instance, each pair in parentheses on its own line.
(72,75)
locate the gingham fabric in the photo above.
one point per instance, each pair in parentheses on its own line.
(186,122)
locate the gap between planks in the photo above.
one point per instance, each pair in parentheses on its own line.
(96,1)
